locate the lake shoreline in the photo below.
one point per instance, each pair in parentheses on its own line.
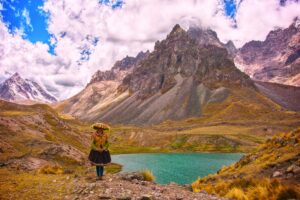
(182,168)
(180,152)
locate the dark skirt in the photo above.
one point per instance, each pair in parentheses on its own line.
(100,157)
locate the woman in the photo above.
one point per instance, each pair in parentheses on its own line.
(99,154)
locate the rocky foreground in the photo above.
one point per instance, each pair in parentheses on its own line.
(59,183)
(131,186)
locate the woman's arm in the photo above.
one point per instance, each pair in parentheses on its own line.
(106,143)
(93,145)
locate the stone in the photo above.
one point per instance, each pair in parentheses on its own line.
(2,164)
(203,192)
(146,197)
(132,176)
(276,174)
(79,191)
(103,197)
(92,186)
(289,175)
(296,170)
(135,181)
(293,168)
(123,198)
(145,183)
(173,184)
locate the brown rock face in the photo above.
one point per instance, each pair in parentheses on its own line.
(176,81)
(120,69)
(277,59)
(181,54)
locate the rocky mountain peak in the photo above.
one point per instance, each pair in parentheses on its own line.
(204,36)
(181,55)
(296,22)
(16,75)
(177,29)
(17,89)
(177,80)
(276,59)
(120,69)
(15,78)
(231,47)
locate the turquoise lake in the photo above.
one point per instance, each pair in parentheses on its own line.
(182,168)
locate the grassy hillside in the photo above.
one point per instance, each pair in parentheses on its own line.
(240,123)
(36,141)
(272,172)
(37,134)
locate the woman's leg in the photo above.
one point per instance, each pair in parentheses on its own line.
(101,170)
(98,170)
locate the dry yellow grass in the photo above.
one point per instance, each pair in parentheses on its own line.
(249,179)
(248,189)
(51,169)
(15,113)
(236,193)
(148,175)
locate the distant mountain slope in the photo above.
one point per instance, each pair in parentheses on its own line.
(285,95)
(16,89)
(182,78)
(277,59)
(102,89)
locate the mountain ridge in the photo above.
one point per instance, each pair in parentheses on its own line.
(276,59)
(17,89)
(179,79)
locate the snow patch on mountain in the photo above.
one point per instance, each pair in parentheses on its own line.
(17,89)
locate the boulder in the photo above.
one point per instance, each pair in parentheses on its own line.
(146,197)
(276,174)
(293,169)
(132,177)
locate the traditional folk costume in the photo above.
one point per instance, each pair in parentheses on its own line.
(99,154)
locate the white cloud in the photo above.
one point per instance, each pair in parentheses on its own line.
(255,19)
(76,24)
(26,16)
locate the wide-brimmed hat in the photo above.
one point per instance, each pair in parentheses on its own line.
(101,126)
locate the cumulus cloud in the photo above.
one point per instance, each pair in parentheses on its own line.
(255,19)
(89,36)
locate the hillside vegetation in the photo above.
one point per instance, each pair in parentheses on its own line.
(272,172)
(32,136)
(240,123)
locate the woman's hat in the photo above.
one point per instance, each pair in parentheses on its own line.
(101,126)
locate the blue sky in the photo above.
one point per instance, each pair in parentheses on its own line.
(36,29)
(15,14)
